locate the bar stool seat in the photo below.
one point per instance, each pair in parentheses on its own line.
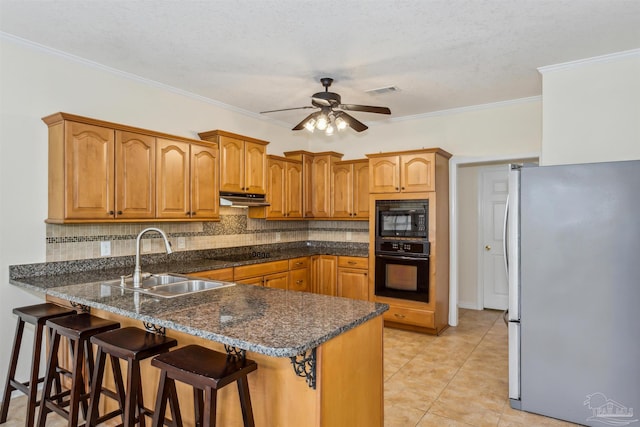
(36,315)
(133,345)
(206,371)
(78,328)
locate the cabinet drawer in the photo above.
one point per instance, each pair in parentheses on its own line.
(353,262)
(224,274)
(261,269)
(301,262)
(410,316)
(299,280)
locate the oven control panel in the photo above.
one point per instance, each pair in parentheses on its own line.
(400,247)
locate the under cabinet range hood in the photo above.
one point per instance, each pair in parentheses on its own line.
(242,200)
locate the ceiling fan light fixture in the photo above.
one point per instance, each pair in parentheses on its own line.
(310,125)
(329,130)
(341,124)
(322,122)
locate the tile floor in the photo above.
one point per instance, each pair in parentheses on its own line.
(458,379)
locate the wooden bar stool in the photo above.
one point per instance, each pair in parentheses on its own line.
(206,371)
(78,328)
(133,345)
(37,315)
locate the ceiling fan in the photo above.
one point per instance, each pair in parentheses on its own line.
(331,114)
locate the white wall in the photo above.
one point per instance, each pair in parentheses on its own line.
(35,83)
(591,110)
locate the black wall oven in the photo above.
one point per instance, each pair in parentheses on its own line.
(402,249)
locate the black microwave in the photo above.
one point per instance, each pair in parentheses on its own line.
(402,218)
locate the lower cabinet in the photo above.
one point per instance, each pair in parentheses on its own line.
(299,274)
(323,274)
(353,277)
(222,274)
(273,274)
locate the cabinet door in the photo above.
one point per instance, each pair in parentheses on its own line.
(135,163)
(204,182)
(307,189)
(172,184)
(360,190)
(353,283)
(276,189)
(231,164)
(299,280)
(255,167)
(293,194)
(384,174)
(417,172)
(321,179)
(323,271)
(89,180)
(277,280)
(342,191)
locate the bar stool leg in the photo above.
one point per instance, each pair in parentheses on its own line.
(96,389)
(33,380)
(77,383)
(166,390)
(17,341)
(245,402)
(209,414)
(48,377)
(130,406)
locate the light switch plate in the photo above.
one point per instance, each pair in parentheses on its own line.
(348,235)
(277,236)
(181,243)
(105,248)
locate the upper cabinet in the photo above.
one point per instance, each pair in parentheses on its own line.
(187,180)
(284,190)
(243,162)
(350,190)
(103,172)
(404,172)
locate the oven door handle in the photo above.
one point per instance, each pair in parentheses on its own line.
(407,258)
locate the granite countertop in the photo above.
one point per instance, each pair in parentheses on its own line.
(269,321)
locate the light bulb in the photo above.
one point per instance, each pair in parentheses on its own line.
(329,130)
(310,125)
(322,122)
(340,123)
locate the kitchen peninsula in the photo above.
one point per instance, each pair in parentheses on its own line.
(335,344)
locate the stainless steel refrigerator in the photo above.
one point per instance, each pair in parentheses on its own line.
(573,252)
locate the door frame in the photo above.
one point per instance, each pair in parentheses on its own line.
(454,163)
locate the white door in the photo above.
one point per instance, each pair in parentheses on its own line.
(492,198)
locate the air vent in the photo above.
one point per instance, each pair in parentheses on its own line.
(381,90)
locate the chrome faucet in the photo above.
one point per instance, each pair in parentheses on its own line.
(137,272)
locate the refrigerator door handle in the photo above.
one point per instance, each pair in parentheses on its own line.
(505,238)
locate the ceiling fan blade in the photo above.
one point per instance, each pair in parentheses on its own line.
(365,108)
(286,109)
(354,124)
(320,102)
(300,125)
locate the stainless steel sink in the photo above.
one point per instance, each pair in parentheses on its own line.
(168,285)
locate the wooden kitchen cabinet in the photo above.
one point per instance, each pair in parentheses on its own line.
(353,277)
(432,316)
(222,274)
(243,161)
(107,172)
(187,183)
(350,183)
(299,274)
(273,274)
(324,274)
(284,190)
(135,175)
(317,187)
(404,172)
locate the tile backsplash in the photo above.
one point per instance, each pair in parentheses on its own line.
(83,241)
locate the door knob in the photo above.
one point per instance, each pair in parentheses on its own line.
(487,248)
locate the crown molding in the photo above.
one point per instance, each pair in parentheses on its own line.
(587,61)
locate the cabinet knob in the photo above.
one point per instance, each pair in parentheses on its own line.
(402,188)
(397,188)
(193,213)
(398,315)
(110,213)
(487,248)
(299,282)
(119,212)
(351,262)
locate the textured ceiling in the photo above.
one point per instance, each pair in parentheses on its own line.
(264,55)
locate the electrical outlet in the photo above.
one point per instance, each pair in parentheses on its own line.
(146,245)
(105,248)
(348,235)
(181,243)
(277,236)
